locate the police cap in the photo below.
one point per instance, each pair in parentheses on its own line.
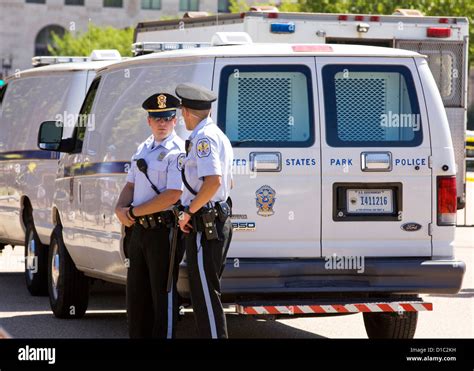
(161,105)
(195,97)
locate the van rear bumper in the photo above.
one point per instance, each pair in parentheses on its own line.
(255,277)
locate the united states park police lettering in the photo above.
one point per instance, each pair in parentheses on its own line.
(410,162)
(300,162)
(37,354)
(341,162)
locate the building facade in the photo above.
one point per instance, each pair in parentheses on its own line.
(26,25)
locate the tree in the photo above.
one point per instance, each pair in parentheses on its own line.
(239,6)
(94,38)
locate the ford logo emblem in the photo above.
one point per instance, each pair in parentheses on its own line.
(411,227)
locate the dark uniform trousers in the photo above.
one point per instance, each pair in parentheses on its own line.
(151,310)
(205,260)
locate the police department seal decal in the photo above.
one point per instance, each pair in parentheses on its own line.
(180,161)
(203,147)
(265,200)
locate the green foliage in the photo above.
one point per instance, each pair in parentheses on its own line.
(238,6)
(94,38)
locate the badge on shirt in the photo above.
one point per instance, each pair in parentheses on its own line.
(203,147)
(161,156)
(180,162)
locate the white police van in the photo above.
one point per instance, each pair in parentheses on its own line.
(345,185)
(443,39)
(54,89)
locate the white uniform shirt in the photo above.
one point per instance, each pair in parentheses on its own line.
(163,170)
(210,153)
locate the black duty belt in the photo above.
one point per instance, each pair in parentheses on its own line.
(157,220)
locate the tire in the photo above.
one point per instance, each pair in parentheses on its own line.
(68,287)
(36,262)
(391,325)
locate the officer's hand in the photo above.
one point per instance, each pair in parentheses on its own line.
(184,224)
(122,215)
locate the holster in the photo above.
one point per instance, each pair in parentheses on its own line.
(205,221)
(223,210)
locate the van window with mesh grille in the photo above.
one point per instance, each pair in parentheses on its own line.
(267,106)
(371,106)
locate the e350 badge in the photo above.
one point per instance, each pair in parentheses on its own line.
(265,200)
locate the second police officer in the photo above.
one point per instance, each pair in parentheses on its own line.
(207,178)
(153,186)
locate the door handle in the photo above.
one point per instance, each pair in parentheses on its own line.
(376,161)
(79,191)
(265,161)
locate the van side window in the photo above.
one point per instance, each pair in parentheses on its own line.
(371,106)
(84,115)
(266,106)
(30,100)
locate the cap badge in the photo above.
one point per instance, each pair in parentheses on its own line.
(161,101)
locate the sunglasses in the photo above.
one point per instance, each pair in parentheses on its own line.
(165,119)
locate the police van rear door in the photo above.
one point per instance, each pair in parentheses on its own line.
(376,193)
(266,107)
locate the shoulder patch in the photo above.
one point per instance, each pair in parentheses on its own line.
(203,147)
(180,161)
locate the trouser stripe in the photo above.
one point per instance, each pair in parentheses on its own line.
(169,334)
(205,288)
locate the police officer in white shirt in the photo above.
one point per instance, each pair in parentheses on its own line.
(207,177)
(153,186)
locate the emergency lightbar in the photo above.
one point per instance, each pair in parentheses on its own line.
(45,61)
(148,47)
(96,55)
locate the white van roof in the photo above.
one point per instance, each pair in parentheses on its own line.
(63,67)
(272,49)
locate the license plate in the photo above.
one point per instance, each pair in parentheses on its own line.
(370,201)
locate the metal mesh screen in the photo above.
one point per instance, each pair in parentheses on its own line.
(266,101)
(445,60)
(360,100)
(455,118)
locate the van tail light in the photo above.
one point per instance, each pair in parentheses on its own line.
(447,206)
(438,32)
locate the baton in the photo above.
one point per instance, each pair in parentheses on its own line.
(174,243)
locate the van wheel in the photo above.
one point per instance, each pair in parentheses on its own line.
(391,325)
(36,262)
(68,287)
